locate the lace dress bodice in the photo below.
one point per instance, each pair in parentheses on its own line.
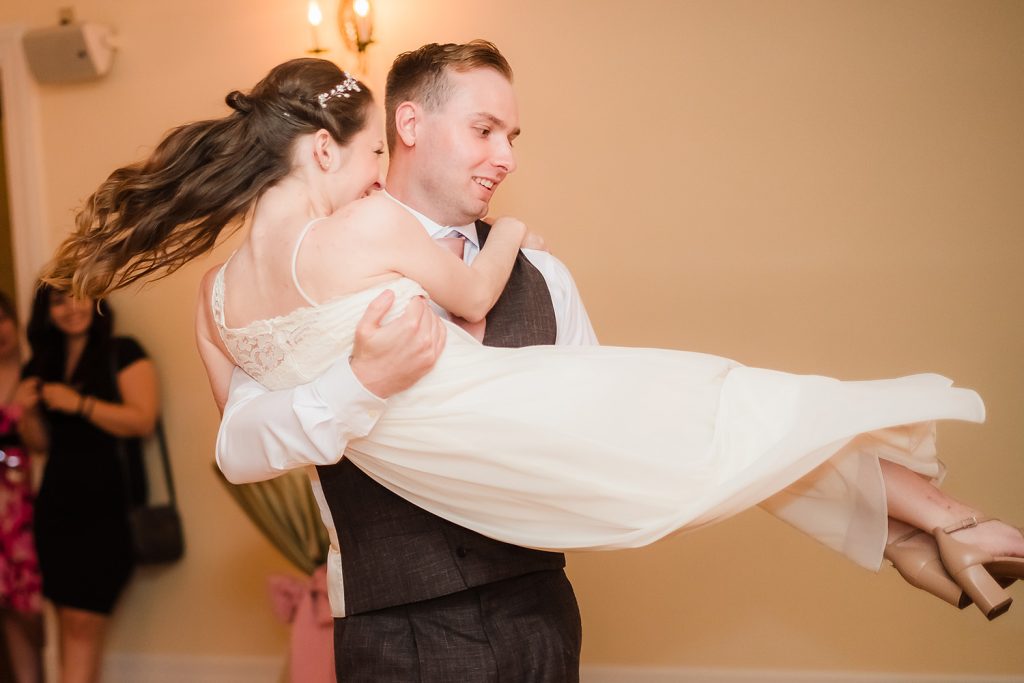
(297,347)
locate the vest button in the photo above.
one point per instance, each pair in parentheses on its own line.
(461,552)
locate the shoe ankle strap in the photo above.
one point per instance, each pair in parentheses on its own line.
(967,523)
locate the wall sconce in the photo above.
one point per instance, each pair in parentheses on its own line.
(355,19)
(315,17)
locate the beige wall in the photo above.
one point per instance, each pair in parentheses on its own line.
(820,187)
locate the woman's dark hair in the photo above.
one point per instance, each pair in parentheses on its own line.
(49,345)
(160,213)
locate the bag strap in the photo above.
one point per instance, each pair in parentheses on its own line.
(123,454)
(165,459)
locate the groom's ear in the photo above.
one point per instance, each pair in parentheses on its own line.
(407,119)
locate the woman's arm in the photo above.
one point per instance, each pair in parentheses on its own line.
(215,357)
(388,239)
(136,414)
(468,291)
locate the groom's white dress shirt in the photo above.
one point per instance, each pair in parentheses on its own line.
(264,433)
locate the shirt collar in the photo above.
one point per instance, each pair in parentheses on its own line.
(435,229)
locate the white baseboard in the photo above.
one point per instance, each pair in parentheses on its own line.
(143,668)
(613,674)
(123,667)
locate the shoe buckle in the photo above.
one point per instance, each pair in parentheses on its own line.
(968,523)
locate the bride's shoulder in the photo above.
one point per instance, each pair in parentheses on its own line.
(208,279)
(205,322)
(374,215)
(205,303)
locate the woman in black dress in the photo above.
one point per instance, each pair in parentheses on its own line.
(98,395)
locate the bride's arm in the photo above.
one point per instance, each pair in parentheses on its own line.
(468,291)
(388,239)
(215,358)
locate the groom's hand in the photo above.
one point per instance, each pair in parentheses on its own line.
(390,358)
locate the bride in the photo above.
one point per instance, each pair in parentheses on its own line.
(298,160)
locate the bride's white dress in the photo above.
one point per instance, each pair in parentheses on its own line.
(560,447)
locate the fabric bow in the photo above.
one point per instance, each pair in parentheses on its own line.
(304,604)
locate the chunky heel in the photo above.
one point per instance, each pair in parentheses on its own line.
(920,566)
(991,598)
(965,564)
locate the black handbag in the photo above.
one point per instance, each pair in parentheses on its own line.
(156,530)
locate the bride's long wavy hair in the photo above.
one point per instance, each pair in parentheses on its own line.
(156,215)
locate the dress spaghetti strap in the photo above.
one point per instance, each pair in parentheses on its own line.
(295,257)
(217,303)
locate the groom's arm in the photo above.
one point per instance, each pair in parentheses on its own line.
(265,433)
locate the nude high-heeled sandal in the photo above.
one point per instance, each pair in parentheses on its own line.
(968,566)
(919,564)
(1006,570)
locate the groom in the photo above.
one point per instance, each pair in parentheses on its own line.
(424,599)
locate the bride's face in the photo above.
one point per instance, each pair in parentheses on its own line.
(360,172)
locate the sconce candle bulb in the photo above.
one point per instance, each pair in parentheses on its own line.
(314,14)
(315,17)
(355,18)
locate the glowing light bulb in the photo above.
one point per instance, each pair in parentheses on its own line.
(314,14)
(355,19)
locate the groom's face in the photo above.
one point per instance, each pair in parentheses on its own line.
(467,144)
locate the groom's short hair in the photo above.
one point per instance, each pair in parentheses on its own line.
(421,75)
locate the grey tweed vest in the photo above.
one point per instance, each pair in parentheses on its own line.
(394,553)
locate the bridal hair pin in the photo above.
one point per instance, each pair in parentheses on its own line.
(341,90)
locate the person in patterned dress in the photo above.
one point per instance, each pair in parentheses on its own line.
(20,584)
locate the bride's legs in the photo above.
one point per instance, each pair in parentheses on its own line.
(898,529)
(915,555)
(975,566)
(915,501)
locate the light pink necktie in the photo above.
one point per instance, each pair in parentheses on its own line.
(457,245)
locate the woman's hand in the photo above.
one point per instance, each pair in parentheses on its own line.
(61,397)
(26,396)
(507,224)
(531,240)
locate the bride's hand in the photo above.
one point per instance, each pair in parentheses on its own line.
(531,240)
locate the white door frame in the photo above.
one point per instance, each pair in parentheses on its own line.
(30,231)
(31,236)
